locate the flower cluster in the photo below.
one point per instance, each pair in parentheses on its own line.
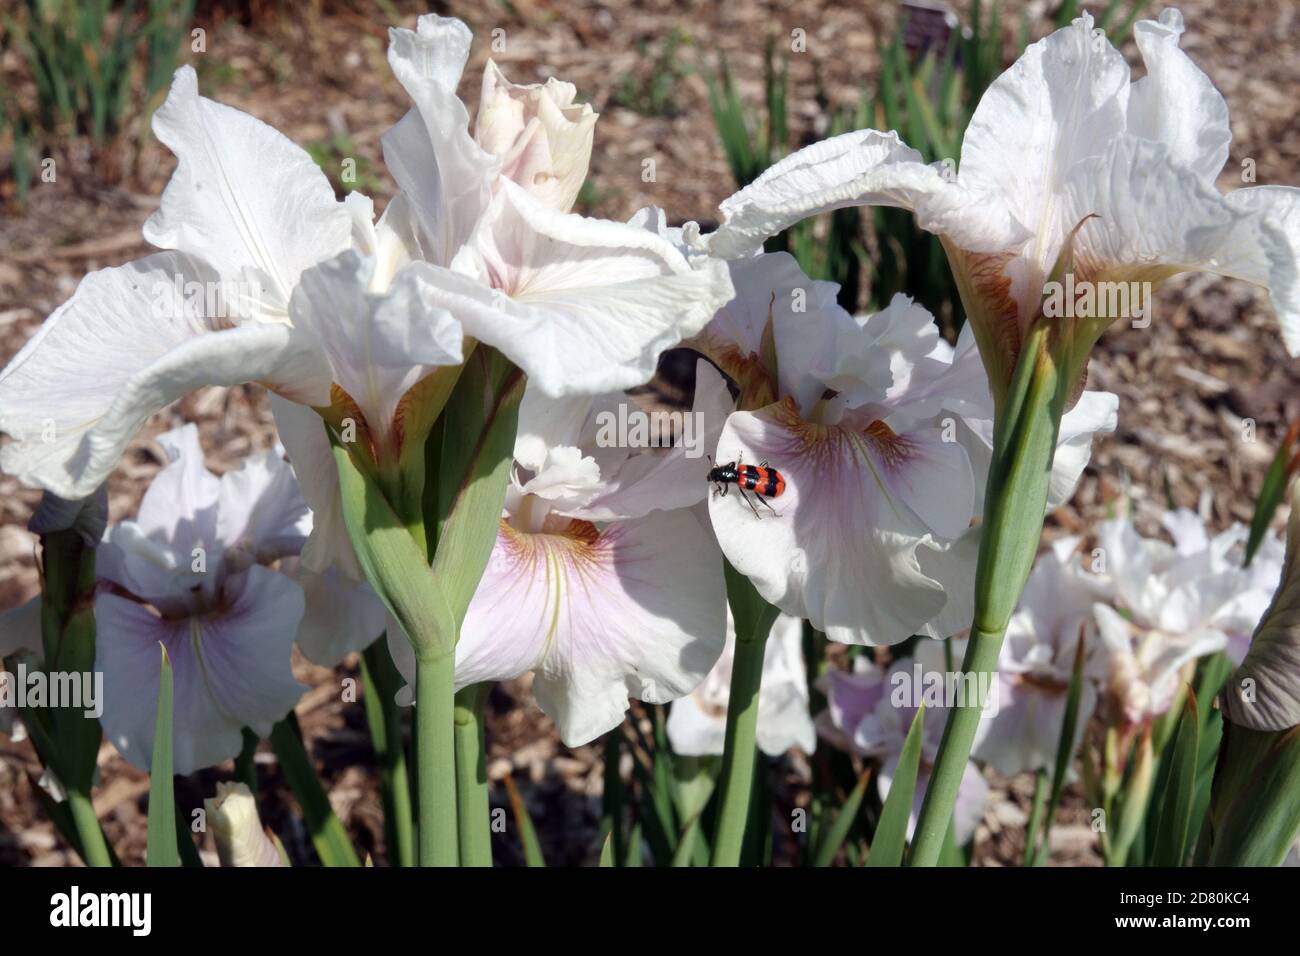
(873,484)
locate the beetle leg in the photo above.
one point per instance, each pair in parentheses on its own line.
(748,502)
(768,505)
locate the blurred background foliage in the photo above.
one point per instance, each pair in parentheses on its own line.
(97,67)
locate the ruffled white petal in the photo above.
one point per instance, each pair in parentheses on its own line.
(546,423)
(1094,413)
(541,136)
(1062,101)
(171,554)
(581,305)
(1276,263)
(123,347)
(1156,218)
(1145,664)
(181,503)
(675,478)
(244,198)
(447,176)
(1175,103)
(862,168)
(952,564)
(697,723)
(811,330)
(341,616)
(261,513)
(1026,729)
(567,477)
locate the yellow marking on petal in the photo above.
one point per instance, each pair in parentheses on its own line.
(565,545)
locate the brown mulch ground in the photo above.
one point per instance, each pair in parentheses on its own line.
(1210,361)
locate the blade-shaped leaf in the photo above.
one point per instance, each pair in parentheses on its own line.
(1254,814)
(1174,829)
(327,833)
(1211,737)
(162,849)
(1273,490)
(890,838)
(838,831)
(527,832)
(1064,754)
(612,796)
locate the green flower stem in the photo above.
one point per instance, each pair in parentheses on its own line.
(754,618)
(472,808)
(954,753)
(436,764)
(1014,508)
(94,848)
(384,717)
(741,751)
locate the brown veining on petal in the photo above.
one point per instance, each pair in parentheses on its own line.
(423,402)
(991,309)
(892,448)
(817,442)
(805,436)
(342,409)
(574,542)
(746,370)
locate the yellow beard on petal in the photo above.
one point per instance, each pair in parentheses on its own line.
(564,546)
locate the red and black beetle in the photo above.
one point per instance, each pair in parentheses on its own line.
(763,481)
